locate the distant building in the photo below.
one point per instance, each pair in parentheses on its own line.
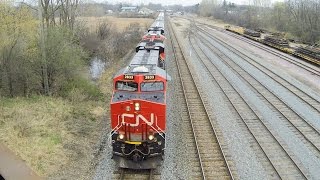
(145,11)
(129,9)
(109,11)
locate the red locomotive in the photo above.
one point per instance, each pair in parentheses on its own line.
(138,109)
(154,36)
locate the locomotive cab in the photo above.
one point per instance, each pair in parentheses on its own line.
(138,113)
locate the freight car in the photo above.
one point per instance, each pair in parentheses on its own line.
(310,53)
(234,29)
(252,33)
(276,41)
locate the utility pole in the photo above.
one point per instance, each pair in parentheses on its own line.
(43,52)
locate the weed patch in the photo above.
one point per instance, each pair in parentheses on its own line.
(41,130)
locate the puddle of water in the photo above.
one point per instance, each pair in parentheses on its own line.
(97,67)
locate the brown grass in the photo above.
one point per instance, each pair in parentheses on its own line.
(119,23)
(55,136)
(49,133)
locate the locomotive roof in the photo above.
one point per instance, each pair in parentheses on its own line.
(145,57)
(153,33)
(151,45)
(145,62)
(157,24)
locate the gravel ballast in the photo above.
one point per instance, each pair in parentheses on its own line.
(305,156)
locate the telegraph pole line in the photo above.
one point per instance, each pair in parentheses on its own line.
(43,51)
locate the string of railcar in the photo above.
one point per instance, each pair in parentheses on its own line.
(308,53)
(138,104)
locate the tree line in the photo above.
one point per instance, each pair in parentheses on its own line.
(44,50)
(27,40)
(299,19)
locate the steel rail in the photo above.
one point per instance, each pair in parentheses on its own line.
(279,99)
(312,144)
(271,50)
(189,134)
(232,104)
(239,53)
(305,101)
(304,175)
(184,93)
(123,174)
(188,107)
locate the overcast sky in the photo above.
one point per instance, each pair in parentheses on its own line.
(171,2)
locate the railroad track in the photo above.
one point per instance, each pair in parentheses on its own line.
(308,67)
(311,100)
(131,174)
(211,158)
(191,149)
(306,129)
(307,133)
(260,138)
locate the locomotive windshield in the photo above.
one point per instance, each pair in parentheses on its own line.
(126,86)
(152,86)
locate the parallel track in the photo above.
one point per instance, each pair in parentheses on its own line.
(191,150)
(310,132)
(306,129)
(303,65)
(309,100)
(269,149)
(212,160)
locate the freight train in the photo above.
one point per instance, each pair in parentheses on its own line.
(138,104)
(310,53)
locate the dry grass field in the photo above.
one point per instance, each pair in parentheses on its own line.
(119,23)
(49,133)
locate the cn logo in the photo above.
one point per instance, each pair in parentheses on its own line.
(138,117)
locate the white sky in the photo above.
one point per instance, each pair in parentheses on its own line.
(171,2)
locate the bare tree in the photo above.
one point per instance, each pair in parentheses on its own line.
(68,12)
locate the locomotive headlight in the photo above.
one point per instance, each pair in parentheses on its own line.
(121,136)
(137,106)
(128,108)
(151,137)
